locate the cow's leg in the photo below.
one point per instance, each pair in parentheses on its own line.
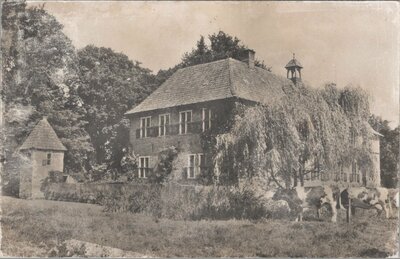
(353,211)
(318,212)
(301,216)
(390,206)
(334,212)
(385,209)
(340,201)
(378,210)
(348,214)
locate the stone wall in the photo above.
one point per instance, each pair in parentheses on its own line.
(24,167)
(40,169)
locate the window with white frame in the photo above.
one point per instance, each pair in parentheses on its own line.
(191,166)
(145,123)
(196,165)
(144,166)
(206,119)
(185,118)
(163,122)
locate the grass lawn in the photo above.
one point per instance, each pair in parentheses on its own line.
(33,227)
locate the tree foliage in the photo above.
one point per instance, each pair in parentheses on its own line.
(222,45)
(305,126)
(111,84)
(41,79)
(83,93)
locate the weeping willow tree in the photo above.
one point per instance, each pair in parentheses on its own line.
(275,142)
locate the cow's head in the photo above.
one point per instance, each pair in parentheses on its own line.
(284,194)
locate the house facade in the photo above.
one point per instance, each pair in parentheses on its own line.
(200,99)
(43,153)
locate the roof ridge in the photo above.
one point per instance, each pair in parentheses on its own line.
(203,64)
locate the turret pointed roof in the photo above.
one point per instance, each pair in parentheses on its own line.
(293,63)
(43,137)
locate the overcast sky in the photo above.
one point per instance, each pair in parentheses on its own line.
(344,42)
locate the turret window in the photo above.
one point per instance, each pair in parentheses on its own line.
(47,161)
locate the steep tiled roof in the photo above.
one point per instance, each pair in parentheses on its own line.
(43,137)
(213,81)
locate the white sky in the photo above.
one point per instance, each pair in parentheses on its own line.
(344,42)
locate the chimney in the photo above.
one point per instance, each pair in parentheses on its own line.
(251,57)
(248,56)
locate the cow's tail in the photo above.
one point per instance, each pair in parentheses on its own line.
(344,199)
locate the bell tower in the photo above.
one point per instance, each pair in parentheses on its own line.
(294,70)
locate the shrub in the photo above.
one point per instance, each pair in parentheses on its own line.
(164,166)
(228,203)
(170,200)
(141,199)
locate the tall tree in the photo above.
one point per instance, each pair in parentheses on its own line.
(222,45)
(111,84)
(41,76)
(305,125)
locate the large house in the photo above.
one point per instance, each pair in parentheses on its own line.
(199,98)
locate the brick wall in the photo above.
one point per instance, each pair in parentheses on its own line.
(186,144)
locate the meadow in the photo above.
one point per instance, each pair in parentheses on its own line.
(35,227)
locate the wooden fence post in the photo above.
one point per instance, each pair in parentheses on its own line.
(348,215)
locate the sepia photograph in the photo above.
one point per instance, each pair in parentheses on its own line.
(161,129)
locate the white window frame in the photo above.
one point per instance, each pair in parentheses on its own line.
(145,127)
(189,167)
(203,119)
(165,115)
(142,172)
(186,121)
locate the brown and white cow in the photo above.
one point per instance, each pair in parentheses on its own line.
(301,199)
(366,198)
